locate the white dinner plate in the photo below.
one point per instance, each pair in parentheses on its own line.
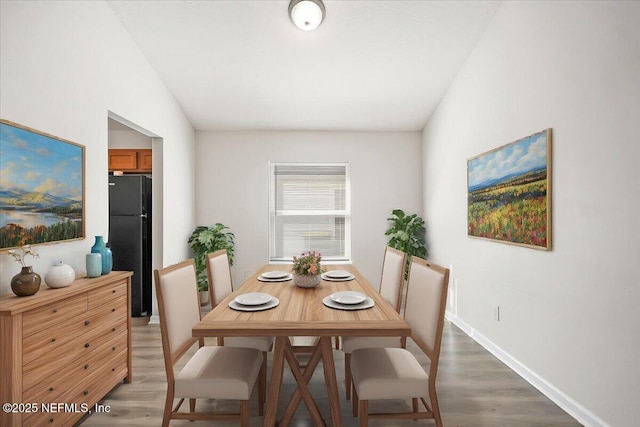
(337,279)
(348,297)
(272,303)
(337,274)
(368,303)
(253,298)
(281,279)
(274,274)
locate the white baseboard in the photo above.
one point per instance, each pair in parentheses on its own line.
(154,319)
(570,406)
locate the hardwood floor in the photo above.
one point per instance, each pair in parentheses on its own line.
(474,389)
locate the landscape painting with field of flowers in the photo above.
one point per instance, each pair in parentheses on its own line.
(509,193)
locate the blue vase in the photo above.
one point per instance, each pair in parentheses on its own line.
(101,248)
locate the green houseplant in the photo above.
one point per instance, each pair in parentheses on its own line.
(407,233)
(205,240)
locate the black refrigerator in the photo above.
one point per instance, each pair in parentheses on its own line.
(130,235)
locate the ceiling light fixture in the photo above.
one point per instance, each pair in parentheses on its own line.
(306,14)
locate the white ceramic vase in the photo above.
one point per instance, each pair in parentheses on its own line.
(59,276)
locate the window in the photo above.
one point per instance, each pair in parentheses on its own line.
(309,209)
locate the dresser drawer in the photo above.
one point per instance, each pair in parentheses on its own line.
(51,314)
(108,293)
(50,343)
(82,395)
(51,389)
(110,341)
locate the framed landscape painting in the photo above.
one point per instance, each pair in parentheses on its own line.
(509,193)
(41,187)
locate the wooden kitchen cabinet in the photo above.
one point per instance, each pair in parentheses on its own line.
(130,160)
(64,346)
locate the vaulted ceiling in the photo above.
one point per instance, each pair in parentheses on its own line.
(242,64)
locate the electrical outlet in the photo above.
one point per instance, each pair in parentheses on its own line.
(496,313)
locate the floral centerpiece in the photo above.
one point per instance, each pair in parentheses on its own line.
(307,269)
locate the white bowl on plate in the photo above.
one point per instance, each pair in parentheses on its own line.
(348,297)
(274,274)
(253,298)
(337,274)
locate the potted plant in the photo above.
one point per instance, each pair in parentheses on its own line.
(307,269)
(203,241)
(407,233)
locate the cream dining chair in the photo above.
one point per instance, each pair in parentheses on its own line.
(391,283)
(213,372)
(220,286)
(394,373)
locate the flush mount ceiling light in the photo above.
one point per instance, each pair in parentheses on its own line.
(306,14)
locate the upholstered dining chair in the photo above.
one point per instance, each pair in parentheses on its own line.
(213,372)
(220,286)
(391,283)
(394,373)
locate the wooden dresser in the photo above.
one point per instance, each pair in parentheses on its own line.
(62,350)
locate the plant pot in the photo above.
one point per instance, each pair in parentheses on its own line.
(204,298)
(304,281)
(25,283)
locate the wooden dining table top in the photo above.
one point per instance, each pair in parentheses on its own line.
(301,311)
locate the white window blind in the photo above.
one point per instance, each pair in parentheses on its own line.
(309,210)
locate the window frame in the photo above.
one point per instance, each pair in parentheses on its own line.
(272,213)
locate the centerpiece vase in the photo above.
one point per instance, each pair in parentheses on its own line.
(101,248)
(306,281)
(26,283)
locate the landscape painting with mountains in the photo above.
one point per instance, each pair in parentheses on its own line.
(41,187)
(508,192)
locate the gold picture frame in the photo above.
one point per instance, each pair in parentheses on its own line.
(509,193)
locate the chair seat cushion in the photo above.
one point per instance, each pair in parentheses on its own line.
(388,373)
(219,373)
(353,343)
(259,343)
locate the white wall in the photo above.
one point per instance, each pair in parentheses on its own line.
(569,316)
(233,181)
(64,66)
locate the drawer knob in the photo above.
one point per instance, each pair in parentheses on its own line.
(53,340)
(113,291)
(50,420)
(86,366)
(50,388)
(113,309)
(55,310)
(113,329)
(113,348)
(86,322)
(86,345)
(85,392)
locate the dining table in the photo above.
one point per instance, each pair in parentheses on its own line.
(302,312)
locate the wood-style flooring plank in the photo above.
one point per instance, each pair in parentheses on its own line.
(474,389)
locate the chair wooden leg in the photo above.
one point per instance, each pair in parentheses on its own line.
(435,407)
(244,413)
(337,342)
(168,403)
(347,375)
(262,384)
(354,401)
(364,413)
(192,405)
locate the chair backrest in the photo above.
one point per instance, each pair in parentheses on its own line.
(178,307)
(219,273)
(426,303)
(393,276)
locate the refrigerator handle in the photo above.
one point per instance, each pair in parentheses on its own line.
(144,215)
